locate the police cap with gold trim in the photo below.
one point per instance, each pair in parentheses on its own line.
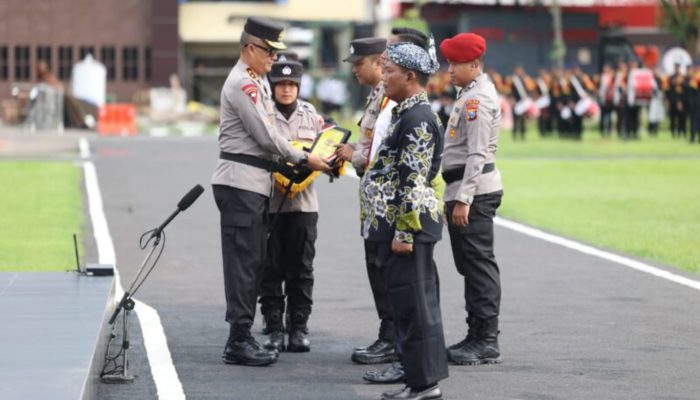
(267,30)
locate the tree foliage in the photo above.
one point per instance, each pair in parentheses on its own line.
(682,19)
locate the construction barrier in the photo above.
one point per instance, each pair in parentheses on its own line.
(117,119)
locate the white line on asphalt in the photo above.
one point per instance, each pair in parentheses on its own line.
(84,147)
(573,245)
(628,262)
(164,374)
(168,385)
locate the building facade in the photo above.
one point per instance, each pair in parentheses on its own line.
(136,40)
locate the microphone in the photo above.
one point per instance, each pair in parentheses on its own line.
(182,205)
(190,197)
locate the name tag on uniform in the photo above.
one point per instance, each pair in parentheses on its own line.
(306,133)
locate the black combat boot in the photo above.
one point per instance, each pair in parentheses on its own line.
(298,343)
(383,350)
(242,348)
(470,335)
(275,328)
(483,349)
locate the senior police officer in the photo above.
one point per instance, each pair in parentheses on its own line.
(472,195)
(242,182)
(291,244)
(365,56)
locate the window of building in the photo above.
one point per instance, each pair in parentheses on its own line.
(130,63)
(44,53)
(4,61)
(147,63)
(85,50)
(108,59)
(22,63)
(65,62)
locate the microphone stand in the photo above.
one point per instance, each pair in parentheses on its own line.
(120,362)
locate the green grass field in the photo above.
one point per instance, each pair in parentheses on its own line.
(636,197)
(40,209)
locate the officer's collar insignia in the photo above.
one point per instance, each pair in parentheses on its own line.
(251,73)
(286,71)
(352,50)
(471,84)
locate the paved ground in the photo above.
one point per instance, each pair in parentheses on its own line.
(573,326)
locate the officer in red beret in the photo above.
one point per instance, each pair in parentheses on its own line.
(472,195)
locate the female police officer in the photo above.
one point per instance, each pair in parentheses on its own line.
(291,244)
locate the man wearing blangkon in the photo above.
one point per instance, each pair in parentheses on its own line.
(402,220)
(242,182)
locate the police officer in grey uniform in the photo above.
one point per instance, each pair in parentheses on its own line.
(472,195)
(291,244)
(365,55)
(250,145)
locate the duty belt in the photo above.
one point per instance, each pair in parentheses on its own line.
(253,161)
(456,174)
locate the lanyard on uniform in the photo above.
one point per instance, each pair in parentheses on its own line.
(382,106)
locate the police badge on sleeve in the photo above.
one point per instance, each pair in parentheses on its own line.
(472,110)
(251,91)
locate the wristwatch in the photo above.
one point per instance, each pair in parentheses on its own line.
(304,160)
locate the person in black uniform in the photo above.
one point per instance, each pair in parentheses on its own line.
(677,98)
(249,140)
(693,86)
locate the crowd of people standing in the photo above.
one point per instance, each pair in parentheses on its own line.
(559,100)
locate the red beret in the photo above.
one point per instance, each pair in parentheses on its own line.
(464,47)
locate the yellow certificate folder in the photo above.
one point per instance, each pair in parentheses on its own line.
(324,146)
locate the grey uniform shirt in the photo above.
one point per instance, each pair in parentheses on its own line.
(248,127)
(304,125)
(471,140)
(367,122)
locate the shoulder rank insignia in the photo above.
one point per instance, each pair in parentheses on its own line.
(472,109)
(251,73)
(251,91)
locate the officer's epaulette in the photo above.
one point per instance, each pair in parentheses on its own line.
(307,106)
(251,73)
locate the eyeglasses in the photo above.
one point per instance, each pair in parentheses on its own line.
(269,50)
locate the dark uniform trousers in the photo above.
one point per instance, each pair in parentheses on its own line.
(379,288)
(291,251)
(678,120)
(694,113)
(243,243)
(412,287)
(472,249)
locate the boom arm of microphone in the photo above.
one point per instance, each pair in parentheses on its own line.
(182,205)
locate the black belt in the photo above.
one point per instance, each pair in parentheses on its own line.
(456,174)
(253,161)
